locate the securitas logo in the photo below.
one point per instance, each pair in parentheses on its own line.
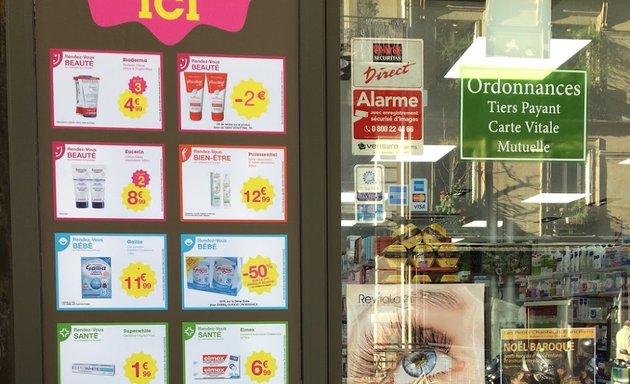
(387,53)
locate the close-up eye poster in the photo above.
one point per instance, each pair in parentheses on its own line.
(423,333)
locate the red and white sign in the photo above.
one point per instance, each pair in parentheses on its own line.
(387,114)
(387,83)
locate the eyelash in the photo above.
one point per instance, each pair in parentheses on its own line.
(370,353)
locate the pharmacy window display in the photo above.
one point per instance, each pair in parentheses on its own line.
(497,250)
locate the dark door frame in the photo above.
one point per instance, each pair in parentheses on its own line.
(23,160)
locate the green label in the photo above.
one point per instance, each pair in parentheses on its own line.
(535,120)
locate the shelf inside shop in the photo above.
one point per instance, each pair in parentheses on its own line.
(554,275)
(581,294)
(422,269)
(576,321)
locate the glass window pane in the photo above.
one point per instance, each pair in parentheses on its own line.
(504,254)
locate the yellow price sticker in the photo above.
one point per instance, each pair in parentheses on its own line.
(261,367)
(257,194)
(250,99)
(135,198)
(140,368)
(138,280)
(132,105)
(260,275)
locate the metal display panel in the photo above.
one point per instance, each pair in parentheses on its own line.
(72,26)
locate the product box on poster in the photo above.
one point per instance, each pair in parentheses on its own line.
(234,272)
(232,183)
(214,274)
(231,94)
(106,90)
(106,181)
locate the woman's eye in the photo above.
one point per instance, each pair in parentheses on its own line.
(422,363)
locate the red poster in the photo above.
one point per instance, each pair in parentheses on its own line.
(387,114)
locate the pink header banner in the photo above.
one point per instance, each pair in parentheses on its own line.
(171,20)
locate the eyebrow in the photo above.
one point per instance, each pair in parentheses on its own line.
(443,299)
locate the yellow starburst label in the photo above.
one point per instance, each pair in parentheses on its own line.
(250,99)
(135,198)
(191,261)
(260,275)
(261,367)
(132,105)
(138,280)
(140,368)
(257,194)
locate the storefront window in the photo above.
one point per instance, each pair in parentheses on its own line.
(484,152)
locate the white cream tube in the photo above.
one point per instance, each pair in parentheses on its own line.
(97,185)
(81,178)
(217,83)
(195,88)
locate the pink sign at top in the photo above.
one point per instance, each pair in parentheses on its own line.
(171,20)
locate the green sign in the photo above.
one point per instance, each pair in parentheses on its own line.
(531,120)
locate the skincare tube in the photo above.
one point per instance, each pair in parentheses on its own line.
(79,97)
(81,178)
(87,95)
(97,185)
(194,90)
(216,86)
(227,191)
(94,369)
(215,189)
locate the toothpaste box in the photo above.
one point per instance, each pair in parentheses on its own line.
(217,366)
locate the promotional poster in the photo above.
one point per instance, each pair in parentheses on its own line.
(554,355)
(229,94)
(229,183)
(110,271)
(106,90)
(238,353)
(415,334)
(107,181)
(236,272)
(112,353)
